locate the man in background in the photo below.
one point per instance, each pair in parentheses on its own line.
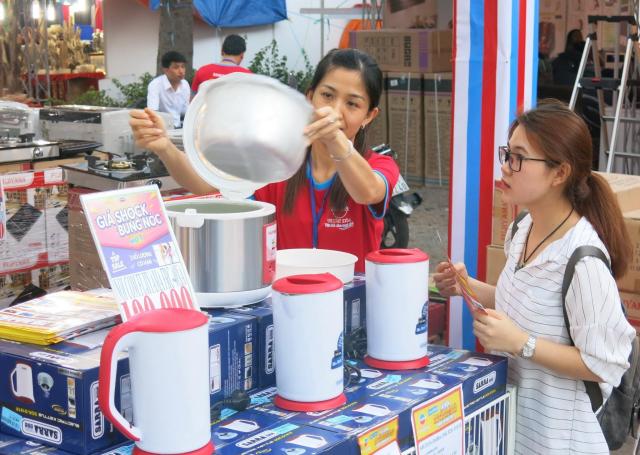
(170,92)
(233,49)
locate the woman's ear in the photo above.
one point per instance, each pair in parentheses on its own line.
(373,113)
(563,172)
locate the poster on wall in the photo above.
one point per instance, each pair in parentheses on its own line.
(138,250)
(552,27)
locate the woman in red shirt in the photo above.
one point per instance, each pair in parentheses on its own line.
(338,198)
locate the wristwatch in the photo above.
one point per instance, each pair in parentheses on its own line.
(529,348)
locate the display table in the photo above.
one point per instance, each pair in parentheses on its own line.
(67,86)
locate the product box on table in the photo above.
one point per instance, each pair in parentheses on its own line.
(361,413)
(355,303)
(381,395)
(233,359)
(483,376)
(13,445)
(50,394)
(265,341)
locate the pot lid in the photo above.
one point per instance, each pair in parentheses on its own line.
(243,131)
(397,256)
(307,284)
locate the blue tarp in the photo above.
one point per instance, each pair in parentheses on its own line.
(237,13)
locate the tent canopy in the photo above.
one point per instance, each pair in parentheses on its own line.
(235,13)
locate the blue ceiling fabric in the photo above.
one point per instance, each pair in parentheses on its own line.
(237,13)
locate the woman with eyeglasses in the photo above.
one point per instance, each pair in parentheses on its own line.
(546,168)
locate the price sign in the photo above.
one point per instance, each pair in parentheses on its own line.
(437,424)
(138,250)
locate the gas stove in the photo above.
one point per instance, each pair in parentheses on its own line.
(26,149)
(103,175)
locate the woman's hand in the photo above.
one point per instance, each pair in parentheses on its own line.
(496,332)
(445,278)
(326,127)
(149,131)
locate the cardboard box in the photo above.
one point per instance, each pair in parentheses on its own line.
(406,135)
(14,167)
(631,302)
(503,215)
(378,130)
(626,188)
(13,445)
(381,395)
(233,358)
(265,351)
(65,415)
(23,242)
(410,14)
(496,260)
(50,278)
(409,50)
(436,93)
(355,304)
(630,282)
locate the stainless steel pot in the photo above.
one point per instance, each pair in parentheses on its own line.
(229,248)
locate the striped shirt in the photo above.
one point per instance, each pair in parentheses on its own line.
(554,413)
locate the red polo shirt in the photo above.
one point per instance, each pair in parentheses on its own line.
(356,230)
(214,71)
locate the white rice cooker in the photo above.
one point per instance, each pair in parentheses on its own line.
(397,297)
(308,323)
(240,133)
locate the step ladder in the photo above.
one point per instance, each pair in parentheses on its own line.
(624,89)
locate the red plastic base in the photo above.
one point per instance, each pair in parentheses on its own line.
(397,365)
(205,450)
(310,406)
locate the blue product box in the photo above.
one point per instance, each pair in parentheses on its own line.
(50,394)
(355,299)
(265,347)
(233,362)
(13,445)
(483,376)
(291,439)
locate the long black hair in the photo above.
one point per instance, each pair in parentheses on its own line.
(350,59)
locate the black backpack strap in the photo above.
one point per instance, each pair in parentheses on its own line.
(516,220)
(592,388)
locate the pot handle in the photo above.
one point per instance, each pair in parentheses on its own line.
(190,219)
(120,338)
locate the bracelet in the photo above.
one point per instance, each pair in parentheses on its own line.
(340,159)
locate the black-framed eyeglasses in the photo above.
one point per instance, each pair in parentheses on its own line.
(515,159)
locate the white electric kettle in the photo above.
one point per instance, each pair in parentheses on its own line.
(308,323)
(397,298)
(168,361)
(22,383)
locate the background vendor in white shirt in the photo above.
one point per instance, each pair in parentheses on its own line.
(170,92)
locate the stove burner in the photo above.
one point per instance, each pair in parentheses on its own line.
(114,165)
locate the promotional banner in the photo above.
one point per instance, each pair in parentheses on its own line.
(138,250)
(3,213)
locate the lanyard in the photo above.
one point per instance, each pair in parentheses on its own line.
(316,213)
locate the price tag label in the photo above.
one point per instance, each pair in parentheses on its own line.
(138,250)
(382,439)
(438,424)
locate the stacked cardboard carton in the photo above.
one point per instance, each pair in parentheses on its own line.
(33,233)
(627,191)
(436,100)
(377,131)
(406,134)
(406,50)
(415,116)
